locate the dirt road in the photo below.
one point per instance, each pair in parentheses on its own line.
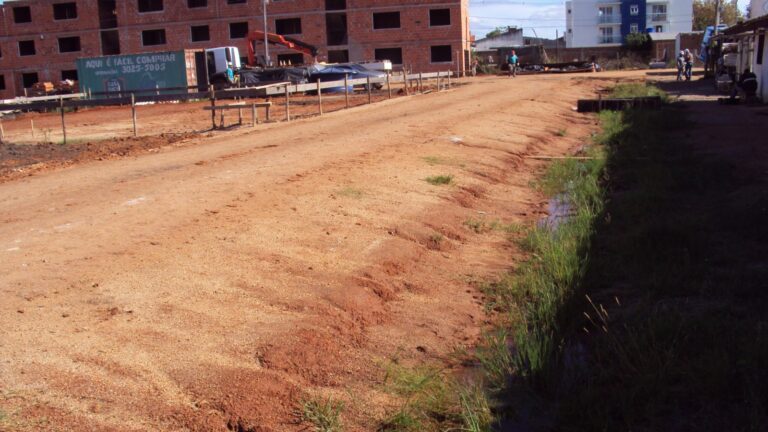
(212,286)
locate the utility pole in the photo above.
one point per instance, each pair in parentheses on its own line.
(717,16)
(266,41)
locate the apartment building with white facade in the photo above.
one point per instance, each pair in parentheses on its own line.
(591,23)
(758,8)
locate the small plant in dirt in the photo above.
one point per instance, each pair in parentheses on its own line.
(561,132)
(477,225)
(434,160)
(323,414)
(439,180)
(350,192)
(434,241)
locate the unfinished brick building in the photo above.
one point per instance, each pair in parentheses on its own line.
(41,39)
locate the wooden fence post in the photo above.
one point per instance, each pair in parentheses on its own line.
(389,86)
(319,97)
(405,83)
(133,113)
(449,79)
(346,92)
(287,104)
(254,119)
(368,79)
(213,107)
(421,83)
(32,125)
(63,124)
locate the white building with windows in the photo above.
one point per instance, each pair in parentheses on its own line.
(591,23)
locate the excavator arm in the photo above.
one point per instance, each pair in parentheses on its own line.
(276,39)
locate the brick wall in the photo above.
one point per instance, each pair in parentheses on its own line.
(415,36)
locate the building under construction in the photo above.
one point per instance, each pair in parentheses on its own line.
(40,40)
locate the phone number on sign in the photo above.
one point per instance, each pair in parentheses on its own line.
(155,67)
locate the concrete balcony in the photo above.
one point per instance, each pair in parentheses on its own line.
(609,19)
(605,40)
(656,17)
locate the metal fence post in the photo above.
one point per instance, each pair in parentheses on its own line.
(63,124)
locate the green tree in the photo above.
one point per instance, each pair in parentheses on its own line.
(497,31)
(638,42)
(704,13)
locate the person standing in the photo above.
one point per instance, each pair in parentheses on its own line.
(688,57)
(513,61)
(680,65)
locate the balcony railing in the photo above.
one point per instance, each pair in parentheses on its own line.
(657,17)
(614,39)
(609,19)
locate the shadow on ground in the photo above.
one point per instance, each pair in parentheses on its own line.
(677,338)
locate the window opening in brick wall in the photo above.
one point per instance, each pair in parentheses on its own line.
(338,56)
(386,20)
(153,37)
(290,59)
(441,54)
(439,17)
(197,3)
(150,5)
(69,74)
(29,79)
(2,82)
(236,1)
(65,11)
(335,5)
(200,33)
(27,48)
(288,26)
(238,30)
(110,42)
(336,28)
(107,14)
(69,44)
(22,14)
(395,55)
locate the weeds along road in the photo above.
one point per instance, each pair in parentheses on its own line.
(213,286)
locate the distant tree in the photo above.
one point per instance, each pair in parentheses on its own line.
(704,13)
(497,31)
(638,42)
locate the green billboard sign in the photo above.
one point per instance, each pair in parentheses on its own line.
(129,73)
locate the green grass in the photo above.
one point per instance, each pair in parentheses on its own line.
(480,226)
(632,90)
(434,400)
(561,132)
(350,192)
(323,414)
(439,180)
(435,160)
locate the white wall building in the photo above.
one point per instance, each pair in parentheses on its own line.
(591,23)
(758,8)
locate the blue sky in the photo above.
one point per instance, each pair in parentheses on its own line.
(537,17)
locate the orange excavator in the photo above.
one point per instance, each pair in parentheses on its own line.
(276,39)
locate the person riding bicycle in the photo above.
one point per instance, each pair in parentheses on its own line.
(688,58)
(513,63)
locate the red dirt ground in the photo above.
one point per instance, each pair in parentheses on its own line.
(211,285)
